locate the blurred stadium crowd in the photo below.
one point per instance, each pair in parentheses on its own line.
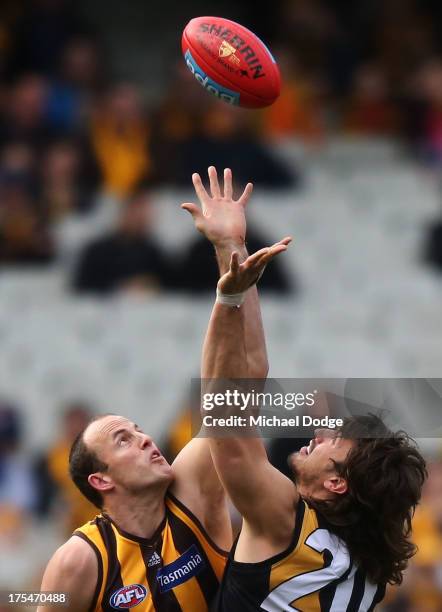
(79,143)
(70,131)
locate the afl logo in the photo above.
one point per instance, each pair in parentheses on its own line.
(128,596)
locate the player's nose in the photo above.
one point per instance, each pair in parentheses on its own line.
(146,441)
(321,435)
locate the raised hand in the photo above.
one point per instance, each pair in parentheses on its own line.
(221,218)
(241,276)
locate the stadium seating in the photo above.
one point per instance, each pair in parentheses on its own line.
(366,306)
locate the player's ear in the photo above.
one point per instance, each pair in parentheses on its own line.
(336,484)
(100,481)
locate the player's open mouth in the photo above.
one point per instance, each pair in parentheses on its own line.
(306,450)
(156,456)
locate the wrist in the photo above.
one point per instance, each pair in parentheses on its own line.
(224,244)
(224,250)
(234,300)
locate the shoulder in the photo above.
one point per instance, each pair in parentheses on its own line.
(73,569)
(75,558)
(196,482)
(214,534)
(271,540)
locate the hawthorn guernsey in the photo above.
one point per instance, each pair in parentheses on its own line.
(185,567)
(128,596)
(230,62)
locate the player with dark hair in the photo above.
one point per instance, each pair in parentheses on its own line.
(335,538)
(159,540)
(384,473)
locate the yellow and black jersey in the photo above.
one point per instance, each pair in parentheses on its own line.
(178,569)
(314,574)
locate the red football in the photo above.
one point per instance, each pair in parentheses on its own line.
(231,62)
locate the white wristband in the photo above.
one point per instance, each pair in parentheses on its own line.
(235,299)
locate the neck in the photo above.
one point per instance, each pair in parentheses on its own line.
(138,515)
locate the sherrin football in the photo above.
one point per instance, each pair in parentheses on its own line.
(231,62)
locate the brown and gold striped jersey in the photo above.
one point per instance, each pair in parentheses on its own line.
(314,574)
(178,569)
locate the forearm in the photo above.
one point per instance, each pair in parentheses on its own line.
(238,453)
(254,338)
(224,349)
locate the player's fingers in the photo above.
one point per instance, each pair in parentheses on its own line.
(268,252)
(274,248)
(284,242)
(246,194)
(258,261)
(255,269)
(228,190)
(214,185)
(234,262)
(258,254)
(273,251)
(254,259)
(199,188)
(194,210)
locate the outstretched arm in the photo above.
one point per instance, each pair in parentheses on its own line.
(265,497)
(222,220)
